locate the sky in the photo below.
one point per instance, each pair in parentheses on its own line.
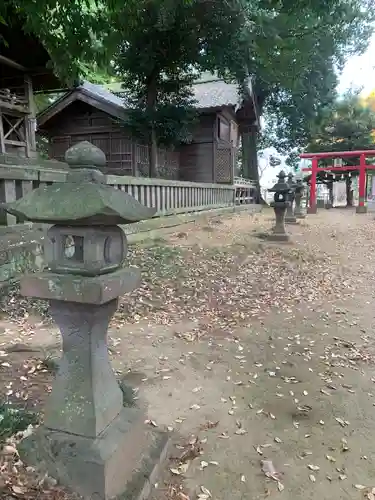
(358,72)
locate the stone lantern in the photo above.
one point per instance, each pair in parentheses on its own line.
(280,205)
(89,440)
(289,216)
(299,192)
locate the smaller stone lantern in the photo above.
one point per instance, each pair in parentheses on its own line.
(89,441)
(280,205)
(299,192)
(289,216)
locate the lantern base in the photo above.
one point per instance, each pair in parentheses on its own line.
(123,460)
(361,209)
(312,210)
(277,237)
(291,220)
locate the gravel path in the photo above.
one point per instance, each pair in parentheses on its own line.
(259,357)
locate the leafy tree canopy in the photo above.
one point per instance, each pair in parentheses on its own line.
(347,125)
(291,49)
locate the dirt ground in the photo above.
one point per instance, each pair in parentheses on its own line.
(259,355)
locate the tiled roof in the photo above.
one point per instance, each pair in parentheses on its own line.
(208,93)
(100,92)
(216,93)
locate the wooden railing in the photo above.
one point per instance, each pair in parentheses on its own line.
(169,197)
(174,197)
(246,190)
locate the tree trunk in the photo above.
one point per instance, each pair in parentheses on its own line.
(249,139)
(151,104)
(153,154)
(349,192)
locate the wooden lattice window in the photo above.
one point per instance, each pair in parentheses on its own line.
(223,165)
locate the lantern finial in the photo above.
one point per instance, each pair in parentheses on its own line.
(85,155)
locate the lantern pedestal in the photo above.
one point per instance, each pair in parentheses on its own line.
(289,216)
(121,462)
(89,441)
(278,231)
(298,198)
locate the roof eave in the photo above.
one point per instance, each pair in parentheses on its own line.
(76,94)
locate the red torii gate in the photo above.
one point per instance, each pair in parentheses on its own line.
(362,167)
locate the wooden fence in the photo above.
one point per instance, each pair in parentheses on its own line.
(169,197)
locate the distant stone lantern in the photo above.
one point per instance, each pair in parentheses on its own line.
(280,205)
(88,441)
(299,192)
(289,216)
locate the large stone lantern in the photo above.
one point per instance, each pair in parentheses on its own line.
(280,205)
(299,192)
(289,216)
(89,440)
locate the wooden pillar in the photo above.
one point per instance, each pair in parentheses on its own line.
(2,140)
(30,121)
(249,151)
(314,170)
(362,209)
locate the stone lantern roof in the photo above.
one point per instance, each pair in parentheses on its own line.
(84,199)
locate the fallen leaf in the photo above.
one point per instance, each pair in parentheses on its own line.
(313,467)
(205,491)
(18,490)
(209,425)
(195,407)
(151,422)
(243,479)
(241,432)
(312,478)
(280,486)
(224,435)
(269,469)
(175,472)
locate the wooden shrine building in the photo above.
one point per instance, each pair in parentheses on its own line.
(94,113)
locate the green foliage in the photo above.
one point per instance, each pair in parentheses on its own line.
(73,31)
(13,420)
(162,52)
(346,126)
(291,49)
(303,46)
(171,115)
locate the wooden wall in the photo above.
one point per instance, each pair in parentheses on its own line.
(197,158)
(125,156)
(208,158)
